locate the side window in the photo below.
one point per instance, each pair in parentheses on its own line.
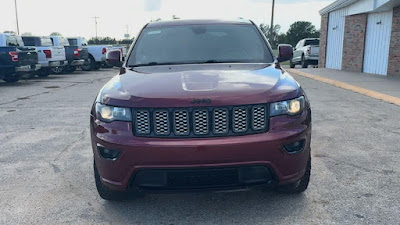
(12,41)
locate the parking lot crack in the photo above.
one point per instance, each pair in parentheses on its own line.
(70,146)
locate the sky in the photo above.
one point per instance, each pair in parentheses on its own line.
(117,17)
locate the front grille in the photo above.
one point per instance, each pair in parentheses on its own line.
(201,122)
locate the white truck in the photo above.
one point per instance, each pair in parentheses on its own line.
(97,53)
(306,53)
(50,56)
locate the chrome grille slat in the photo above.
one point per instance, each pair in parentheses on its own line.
(200,124)
(201,121)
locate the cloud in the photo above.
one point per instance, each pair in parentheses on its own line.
(152,5)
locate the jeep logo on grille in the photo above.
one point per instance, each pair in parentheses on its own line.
(201,101)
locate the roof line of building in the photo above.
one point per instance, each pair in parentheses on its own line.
(336,5)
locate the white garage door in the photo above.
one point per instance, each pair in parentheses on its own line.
(377,42)
(334,50)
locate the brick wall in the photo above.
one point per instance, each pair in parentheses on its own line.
(323,41)
(394,53)
(354,43)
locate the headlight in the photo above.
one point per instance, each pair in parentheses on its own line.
(290,107)
(108,113)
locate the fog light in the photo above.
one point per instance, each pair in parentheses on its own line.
(294,147)
(108,153)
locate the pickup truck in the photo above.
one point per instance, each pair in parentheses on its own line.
(97,53)
(306,53)
(75,56)
(16,60)
(50,56)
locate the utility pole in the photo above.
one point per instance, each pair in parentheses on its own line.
(271,35)
(95,22)
(16,15)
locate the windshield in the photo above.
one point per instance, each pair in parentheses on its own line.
(46,42)
(73,41)
(200,44)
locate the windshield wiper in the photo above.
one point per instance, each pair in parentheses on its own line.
(145,64)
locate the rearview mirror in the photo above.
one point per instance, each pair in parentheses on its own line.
(114,58)
(285,52)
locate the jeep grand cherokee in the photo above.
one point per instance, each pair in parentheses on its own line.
(201,104)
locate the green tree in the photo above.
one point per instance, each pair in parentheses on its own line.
(300,30)
(102,41)
(56,34)
(9,32)
(274,41)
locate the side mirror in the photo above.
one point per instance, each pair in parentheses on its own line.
(285,52)
(114,58)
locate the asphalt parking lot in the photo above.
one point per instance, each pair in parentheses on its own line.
(47,178)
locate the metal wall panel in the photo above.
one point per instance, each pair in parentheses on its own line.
(335,38)
(377,42)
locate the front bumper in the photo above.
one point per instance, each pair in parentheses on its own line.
(149,154)
(79,62)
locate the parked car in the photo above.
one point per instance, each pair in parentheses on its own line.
(97,53)
(50,56)
(306,53)
(76,56)
(201,104)
(16,59)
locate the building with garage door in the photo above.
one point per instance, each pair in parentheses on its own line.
(361,36)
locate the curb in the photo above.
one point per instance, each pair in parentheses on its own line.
(360,90)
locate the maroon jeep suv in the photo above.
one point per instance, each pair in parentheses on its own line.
(201,104)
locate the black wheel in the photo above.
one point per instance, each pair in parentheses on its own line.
(304,63)
(106,65)
(57,70)
(43,72)
(70,69)
(292,65)
(30,75)
(12,78)
(299,186)
(105,192)
(97,66)
(89,64)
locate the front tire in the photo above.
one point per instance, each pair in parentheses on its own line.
(104,192)
(70,69)
(304,63)
(299,186)
(292,65)
(57,70)
(89,64)
(44,72)
(12,78)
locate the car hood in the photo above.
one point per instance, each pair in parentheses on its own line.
(178,86)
